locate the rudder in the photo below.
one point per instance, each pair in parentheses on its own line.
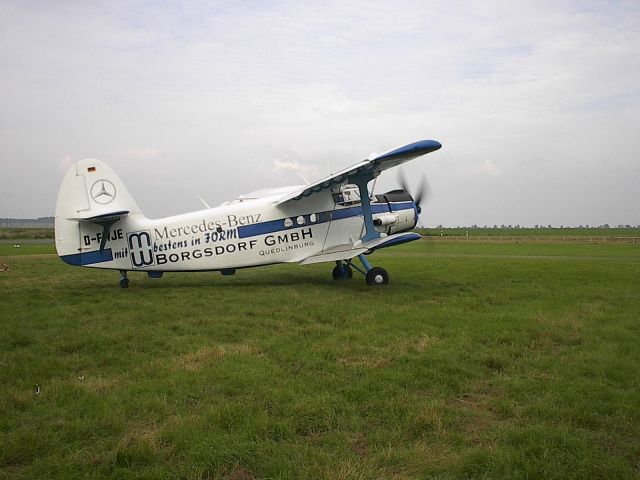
(91,199)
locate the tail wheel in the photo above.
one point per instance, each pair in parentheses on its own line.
(124,280)
(342,272)
(377,276)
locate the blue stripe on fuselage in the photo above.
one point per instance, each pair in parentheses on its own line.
(273,226)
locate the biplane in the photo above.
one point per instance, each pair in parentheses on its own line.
(336,219)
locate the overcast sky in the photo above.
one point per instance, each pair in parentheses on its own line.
(536,103)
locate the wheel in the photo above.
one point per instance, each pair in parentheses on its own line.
(377,276)
(124,283)
(342,272)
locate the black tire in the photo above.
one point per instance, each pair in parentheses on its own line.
(124,283)
(343,272)
(377,276)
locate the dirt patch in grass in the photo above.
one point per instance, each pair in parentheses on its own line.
(357,468)
(212,353)
(560,331)
(379,357)
(359,445)
(99,384)
(139,433)
(438,453)
(366,361)
(478,414)
(239,473)
(424,342)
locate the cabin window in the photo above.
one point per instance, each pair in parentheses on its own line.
(348,195)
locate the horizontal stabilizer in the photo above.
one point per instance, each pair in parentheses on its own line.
(88,258)
(105,217)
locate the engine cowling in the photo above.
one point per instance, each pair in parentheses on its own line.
(385,220)
(396,220)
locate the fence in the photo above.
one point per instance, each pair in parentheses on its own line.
(531,239)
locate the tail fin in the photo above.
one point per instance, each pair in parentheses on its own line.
(91,199)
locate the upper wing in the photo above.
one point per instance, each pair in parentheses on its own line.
(372,166)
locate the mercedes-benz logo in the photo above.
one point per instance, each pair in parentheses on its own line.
(103,192)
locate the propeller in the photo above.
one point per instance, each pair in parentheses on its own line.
(423,192)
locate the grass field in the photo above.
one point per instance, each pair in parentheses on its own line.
(477,361)
(532,232)
(10,233)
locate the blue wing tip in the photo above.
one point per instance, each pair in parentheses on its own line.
(433,144)
(425,146)
(414,149)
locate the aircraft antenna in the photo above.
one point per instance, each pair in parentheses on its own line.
(202,200)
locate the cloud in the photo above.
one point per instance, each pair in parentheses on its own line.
(306,172)
(487,167)
(65,163)
(140,153)
(204,92)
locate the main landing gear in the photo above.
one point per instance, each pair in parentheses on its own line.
(342,271)
(373,275)
(377,276)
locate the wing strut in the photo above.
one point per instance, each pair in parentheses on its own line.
(361,180)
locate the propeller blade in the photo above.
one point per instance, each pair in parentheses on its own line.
(402,180)
(424,190)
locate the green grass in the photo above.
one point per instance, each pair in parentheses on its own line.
(26,249)
(533,232)
(13,233)
(17,233)
(477,361)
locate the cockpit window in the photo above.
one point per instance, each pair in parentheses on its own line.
(348,195)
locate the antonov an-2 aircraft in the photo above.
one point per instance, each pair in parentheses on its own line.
(336,219)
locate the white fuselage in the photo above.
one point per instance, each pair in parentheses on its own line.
(239,234)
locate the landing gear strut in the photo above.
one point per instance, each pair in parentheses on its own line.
(124,280)
(373,275)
